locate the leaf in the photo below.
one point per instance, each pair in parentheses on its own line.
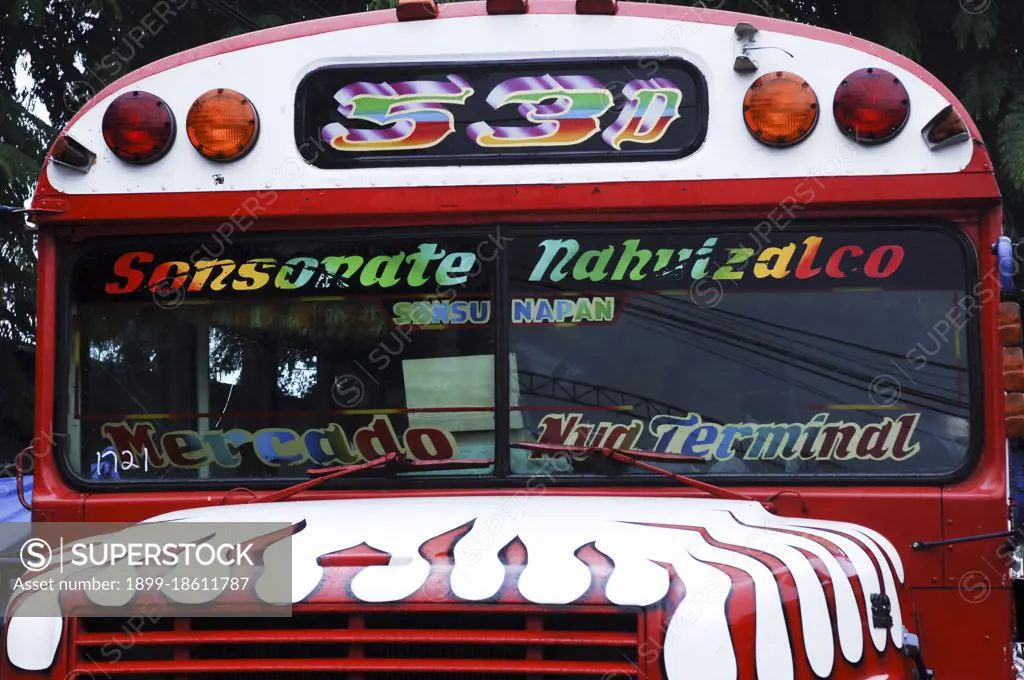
(977,27)
(901,30)
(20,173)
(33,10)
(983,87)
(6,167)
(268,20)
(115,7)
(1011,142)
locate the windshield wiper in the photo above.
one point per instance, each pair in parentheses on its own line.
(322,475)
(636,458)
(391,459)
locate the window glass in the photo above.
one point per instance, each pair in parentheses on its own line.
(812,353)
(274,356)
(831,352)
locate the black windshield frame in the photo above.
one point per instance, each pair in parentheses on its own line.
(502,475)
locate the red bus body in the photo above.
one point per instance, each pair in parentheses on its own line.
(960,600)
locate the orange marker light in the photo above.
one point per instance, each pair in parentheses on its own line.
(222,125)
(780,109)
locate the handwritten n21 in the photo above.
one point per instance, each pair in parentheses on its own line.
(125,461)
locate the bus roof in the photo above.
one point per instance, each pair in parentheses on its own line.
(269,68)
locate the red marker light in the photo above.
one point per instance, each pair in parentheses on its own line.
(507,6)
(138,127)
(414,10)
(872,106)
(597,6)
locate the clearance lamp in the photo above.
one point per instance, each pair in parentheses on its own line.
(72,154)
(945,129)
(138,128)
(222,125)
(780,109)
(872,106)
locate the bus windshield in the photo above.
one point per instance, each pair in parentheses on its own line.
(827,351)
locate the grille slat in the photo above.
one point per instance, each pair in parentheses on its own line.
(496,666)
(363,636)
(413,643)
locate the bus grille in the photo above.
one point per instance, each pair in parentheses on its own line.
(461,643)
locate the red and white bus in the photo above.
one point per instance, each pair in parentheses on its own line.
(575,340)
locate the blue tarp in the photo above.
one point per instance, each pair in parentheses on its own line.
(1016,451)
(10,507)
(11,511)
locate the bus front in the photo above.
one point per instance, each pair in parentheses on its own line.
(569,341)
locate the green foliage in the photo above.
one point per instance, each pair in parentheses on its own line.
(977,29)
(983,87)
(1011,140)
(900,29)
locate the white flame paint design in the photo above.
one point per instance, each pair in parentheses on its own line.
(553,528)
